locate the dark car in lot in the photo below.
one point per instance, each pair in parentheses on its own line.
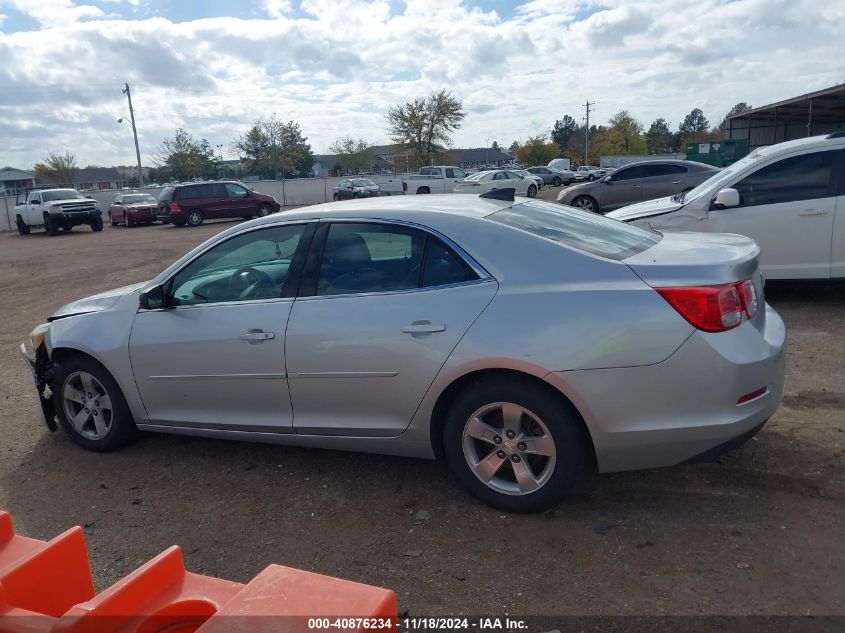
(636,182)
(132,209)
(193,203)
(355,188)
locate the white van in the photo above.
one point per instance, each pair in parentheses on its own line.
(789,197)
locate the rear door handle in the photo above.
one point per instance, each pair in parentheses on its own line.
(423,327)
(676,182)
(812,212)
(257,335)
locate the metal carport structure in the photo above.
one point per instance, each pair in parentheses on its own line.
(808,115)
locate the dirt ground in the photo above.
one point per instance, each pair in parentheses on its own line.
(760,532)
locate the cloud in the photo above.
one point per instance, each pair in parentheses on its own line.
(335,66)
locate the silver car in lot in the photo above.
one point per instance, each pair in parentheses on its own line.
(636,182)
(517,339)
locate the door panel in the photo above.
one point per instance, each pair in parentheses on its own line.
(361,364)
(193,367)
(788,208)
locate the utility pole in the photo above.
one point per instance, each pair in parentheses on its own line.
(587,133)
(135,134)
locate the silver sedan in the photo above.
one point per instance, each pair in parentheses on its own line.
(517,339)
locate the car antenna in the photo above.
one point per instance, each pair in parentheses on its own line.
(506,193)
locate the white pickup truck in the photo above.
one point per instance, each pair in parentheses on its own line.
(56,209)
(589,172)
(434,179)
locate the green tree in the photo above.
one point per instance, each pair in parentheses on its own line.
(495,146)
(353,155)
(739,108)
(183,157)
(59,167)
(659,138)
(271,148)
(536,150)
(625,134)
(695,127)
(563,131)
(426,124)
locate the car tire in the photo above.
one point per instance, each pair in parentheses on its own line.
(51,226)
(501,411)
(264,210)
(591,178)
(532,191)
(23,227)
(194,218)
(334,197)
(103,427)
(129,221)
(97,224)
(586,203)
(555,182)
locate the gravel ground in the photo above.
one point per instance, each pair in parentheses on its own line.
(755,533)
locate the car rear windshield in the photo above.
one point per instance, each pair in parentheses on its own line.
(167,193)
(585,231)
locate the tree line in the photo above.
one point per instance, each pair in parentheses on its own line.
(272,147)
(623,134)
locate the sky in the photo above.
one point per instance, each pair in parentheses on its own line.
(336,66)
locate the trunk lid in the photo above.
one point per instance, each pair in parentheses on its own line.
(697,259)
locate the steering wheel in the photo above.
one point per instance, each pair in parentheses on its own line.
(247,280)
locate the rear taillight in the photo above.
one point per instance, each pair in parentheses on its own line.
(749,297)
(714,308)
(709,308)
(174,207)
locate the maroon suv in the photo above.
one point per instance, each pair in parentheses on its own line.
(194,203)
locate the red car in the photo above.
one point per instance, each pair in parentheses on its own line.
(133,208)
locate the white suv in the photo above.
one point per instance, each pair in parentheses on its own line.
(789,197)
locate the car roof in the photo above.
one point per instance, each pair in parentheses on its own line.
(406,208)
(671,161)
(807,142)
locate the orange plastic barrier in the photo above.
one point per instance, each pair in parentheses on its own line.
(46,587)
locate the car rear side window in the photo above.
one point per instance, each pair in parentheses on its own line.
(664,170)
(804,177)
(374,257)
(167,193)
(582,230)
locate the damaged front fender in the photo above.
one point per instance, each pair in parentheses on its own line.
(42,374)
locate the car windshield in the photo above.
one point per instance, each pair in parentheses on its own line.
(61,194)
(582,230)
(481,175)
(717,180)
(141,198)
(364,182)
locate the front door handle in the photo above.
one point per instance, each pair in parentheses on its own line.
(812,212)
(257,335)
(423,327)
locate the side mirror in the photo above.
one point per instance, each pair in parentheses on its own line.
(607,180)
(726,198)
(152,299)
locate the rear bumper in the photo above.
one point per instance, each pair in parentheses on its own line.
(684,408)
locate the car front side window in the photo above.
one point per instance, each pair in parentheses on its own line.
(246,267)
(804,177)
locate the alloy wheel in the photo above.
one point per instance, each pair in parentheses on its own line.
(509,448)
(87,405)
(585,203)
